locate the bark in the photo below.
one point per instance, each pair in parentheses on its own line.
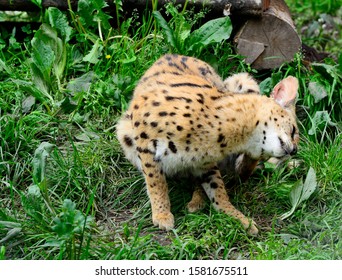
(246,7)
(271,40)
(27,5)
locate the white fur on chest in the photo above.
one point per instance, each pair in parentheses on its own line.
(180,161)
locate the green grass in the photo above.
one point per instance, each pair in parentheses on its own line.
(66,190)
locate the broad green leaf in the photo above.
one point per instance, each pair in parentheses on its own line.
(34,89)
(301,192)
(27,104)
(87,136)
(310,185)
(59,21)
(185,32)
(38,3)
(95,52)
(39,161)
(82,83)
(58,48)
(9,225)
(10,234)
(41,80)
(213,31)
(168,32)
(4,66)
(43,55)
(34,190)
(317,91)
(68,105)
(320,117)
(332,70)
(90,12)
(49,53)
(266,85)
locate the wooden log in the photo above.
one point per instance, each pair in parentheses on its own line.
(29,6)
(271,40)
(246,7)
(218,7)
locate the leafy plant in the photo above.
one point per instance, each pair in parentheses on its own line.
(69,225)
(182,40)
(301,192)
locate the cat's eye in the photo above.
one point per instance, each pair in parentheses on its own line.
(293,132)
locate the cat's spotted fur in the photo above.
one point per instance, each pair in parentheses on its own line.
(182,117)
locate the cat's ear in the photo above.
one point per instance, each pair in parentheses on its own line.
(285,92)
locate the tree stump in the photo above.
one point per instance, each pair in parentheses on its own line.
(270,40)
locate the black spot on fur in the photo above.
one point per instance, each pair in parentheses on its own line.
(190,85)
(201,98)
(163,114)
(136,107)
(144,135)
(220,138)
(128,141)
(155,103)
(155,143)
(257,123)
(172,147)
(187,115)
(154,124)
(169,98)
(179,128)
(183,62)
(215,97)
(136,124)
(144,151)
(213,185)
(203,71)
(147,114)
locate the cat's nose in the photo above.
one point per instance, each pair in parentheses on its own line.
(294,150)
(291,150)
